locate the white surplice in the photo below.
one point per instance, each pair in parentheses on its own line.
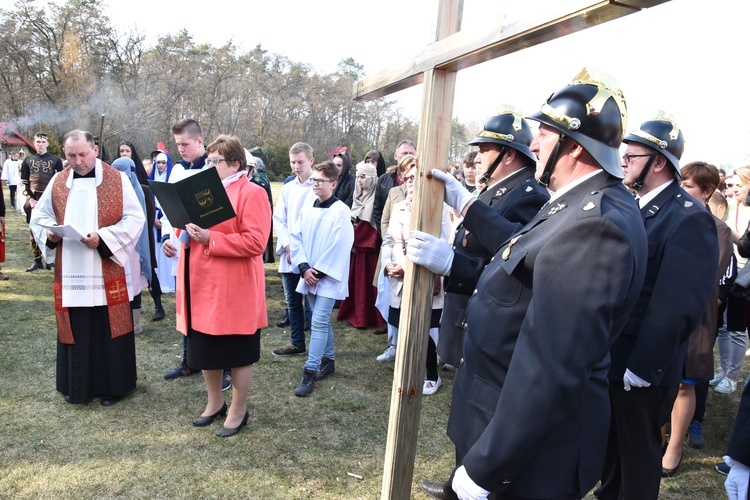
(82,279)
(323,237)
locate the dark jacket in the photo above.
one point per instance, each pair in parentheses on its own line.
(518,199)
(530,410)
(384,185)
(683,256)
(739,445)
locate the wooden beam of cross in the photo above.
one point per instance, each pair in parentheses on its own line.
(436,67)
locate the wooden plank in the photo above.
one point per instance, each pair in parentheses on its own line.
(465,49)
(416,298)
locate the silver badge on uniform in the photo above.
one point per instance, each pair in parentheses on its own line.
(589,206)
(556,208)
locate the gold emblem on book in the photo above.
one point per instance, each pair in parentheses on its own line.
(205,198)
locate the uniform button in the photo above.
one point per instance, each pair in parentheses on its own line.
(492,259)
(460,285)
(461,363)
(454,247)
(474,293)
(464,325)
(659,371)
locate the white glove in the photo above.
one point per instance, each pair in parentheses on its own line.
(433,253)
(737,479)
(630,379)
(456,196)
(465,488)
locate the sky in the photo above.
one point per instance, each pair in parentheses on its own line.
(686,57)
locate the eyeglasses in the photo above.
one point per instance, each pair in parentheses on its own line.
(627,158)
(214,161)
(409,178)
(315,180)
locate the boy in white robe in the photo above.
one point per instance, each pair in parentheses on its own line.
(320,246)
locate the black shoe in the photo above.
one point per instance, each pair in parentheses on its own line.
(181,371)
(283,322)
(290,350)
(327,367)
(109,400)
(203,421)
(158,315)
(306,385)
(225,432)
(670,472)
(50,267)
(722,468)
(37,264)
(441,491)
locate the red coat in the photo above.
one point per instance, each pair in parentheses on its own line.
(227,277)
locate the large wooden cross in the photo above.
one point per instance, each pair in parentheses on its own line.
(436,67)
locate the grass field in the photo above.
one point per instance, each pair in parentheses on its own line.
(146,447)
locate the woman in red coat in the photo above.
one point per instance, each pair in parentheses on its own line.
(221,299)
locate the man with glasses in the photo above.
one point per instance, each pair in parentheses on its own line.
(36,172)
(648,357)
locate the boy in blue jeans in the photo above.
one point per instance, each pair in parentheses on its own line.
(320,245)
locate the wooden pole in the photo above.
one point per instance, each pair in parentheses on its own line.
(416,298)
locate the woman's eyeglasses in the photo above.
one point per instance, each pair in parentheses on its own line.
(214,161)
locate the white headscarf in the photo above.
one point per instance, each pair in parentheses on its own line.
(364,196)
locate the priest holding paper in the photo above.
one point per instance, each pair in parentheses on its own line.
(92,285)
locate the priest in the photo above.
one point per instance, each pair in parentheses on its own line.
(92,286)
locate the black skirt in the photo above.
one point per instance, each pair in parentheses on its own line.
(220,352)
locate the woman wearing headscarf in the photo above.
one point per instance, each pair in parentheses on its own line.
(345,188)
(140,258)
(359,307)
(221,300)
(161,172)
(127,150)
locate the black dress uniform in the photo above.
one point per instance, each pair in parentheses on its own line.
(683,253)
(517,198)
(530,409)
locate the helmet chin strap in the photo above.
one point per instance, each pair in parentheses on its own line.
(549,167)
(486,176)
(638,183)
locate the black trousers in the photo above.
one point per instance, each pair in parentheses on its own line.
(632,465)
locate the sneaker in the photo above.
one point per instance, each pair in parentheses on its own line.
(327,367)
(430,387)
(181,371)
(695,435)
(290,350)
(226,381)
(722,468)
(726,386)
(718,377)
(306,385)
(388,355)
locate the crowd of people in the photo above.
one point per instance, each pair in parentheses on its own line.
(582,278)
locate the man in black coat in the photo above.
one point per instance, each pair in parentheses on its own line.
(390,180)
(507,168)
(648,358)
(530,409)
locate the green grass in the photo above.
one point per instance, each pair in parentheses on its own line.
(146,447)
